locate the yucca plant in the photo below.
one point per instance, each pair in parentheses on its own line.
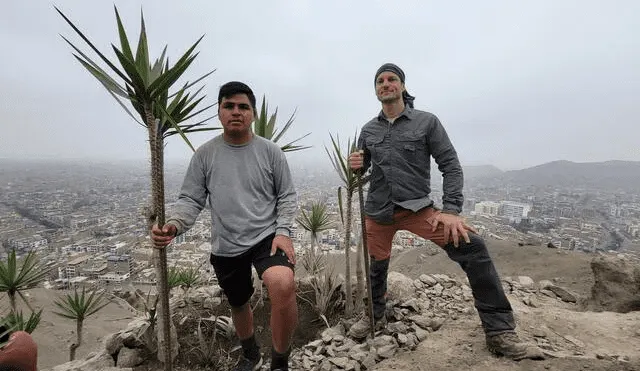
(315,221)
(174,278)
(264,126)
(189,277)
(325,287)
(17,322)
(78,306)
(146,86)
(17,276)
(339,158)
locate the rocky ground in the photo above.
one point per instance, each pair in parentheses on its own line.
(433,325)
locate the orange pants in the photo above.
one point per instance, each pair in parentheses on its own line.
(20,353)
(380,236)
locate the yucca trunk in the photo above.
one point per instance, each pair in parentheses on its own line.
(12,299)
(156,145)
(348,308)
(72,349)
(360,279)
(314,241)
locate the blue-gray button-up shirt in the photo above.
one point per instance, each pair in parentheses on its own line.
(399,155)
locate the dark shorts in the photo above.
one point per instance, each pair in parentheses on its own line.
(234,272)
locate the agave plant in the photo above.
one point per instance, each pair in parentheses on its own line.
(146,86)
(78,306)
(349,178)
(17,276)
(317,220)
(264,125)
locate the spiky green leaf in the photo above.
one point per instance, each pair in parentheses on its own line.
(105,59)
(142,54)
(124,41)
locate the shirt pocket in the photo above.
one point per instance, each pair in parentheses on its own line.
(411,142)
(377,148)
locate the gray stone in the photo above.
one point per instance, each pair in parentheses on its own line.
(526,282)
(387,351)
(113,343)
(563,294)
(339,361)
(397,327)
(437,289)
(400,287)
(421,334)
(428,280)
(130,357)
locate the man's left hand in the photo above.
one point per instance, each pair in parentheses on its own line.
(454,227)
(285,244)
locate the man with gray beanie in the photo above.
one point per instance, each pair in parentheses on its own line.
(397,146)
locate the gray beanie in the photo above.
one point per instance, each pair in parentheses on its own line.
(390,67)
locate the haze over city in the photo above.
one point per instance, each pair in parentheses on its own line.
(515,84)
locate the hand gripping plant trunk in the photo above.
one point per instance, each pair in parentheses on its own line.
(365,253)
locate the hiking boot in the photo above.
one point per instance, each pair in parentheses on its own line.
(246,364)
(509,345)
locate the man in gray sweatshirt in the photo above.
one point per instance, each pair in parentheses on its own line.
(397,146)
(247,183)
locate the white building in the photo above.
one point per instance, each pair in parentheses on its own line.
(515,211)
(487,208)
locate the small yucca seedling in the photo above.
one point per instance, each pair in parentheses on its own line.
(189,277)
(78,306)
(325,286)
(174,278)
(17,322)
(315,221)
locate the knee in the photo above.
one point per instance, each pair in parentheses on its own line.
(281,287)
(476,246)
(476,242)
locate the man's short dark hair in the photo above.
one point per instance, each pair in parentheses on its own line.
(232,88)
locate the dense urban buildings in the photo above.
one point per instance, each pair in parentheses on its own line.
(86,221)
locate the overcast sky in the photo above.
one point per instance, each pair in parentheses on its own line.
(514,84)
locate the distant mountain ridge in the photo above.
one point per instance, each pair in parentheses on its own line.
(614,174)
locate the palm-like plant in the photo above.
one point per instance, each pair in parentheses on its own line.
(77,307)
(264,125)
(147,87)
(17,276)
(350,183)
(315,221)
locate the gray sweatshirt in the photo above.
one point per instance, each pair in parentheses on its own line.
(249,189)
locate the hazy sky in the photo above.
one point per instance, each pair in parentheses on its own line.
(514,84)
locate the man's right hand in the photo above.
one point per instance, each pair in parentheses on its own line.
(162,237)
(355,160)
